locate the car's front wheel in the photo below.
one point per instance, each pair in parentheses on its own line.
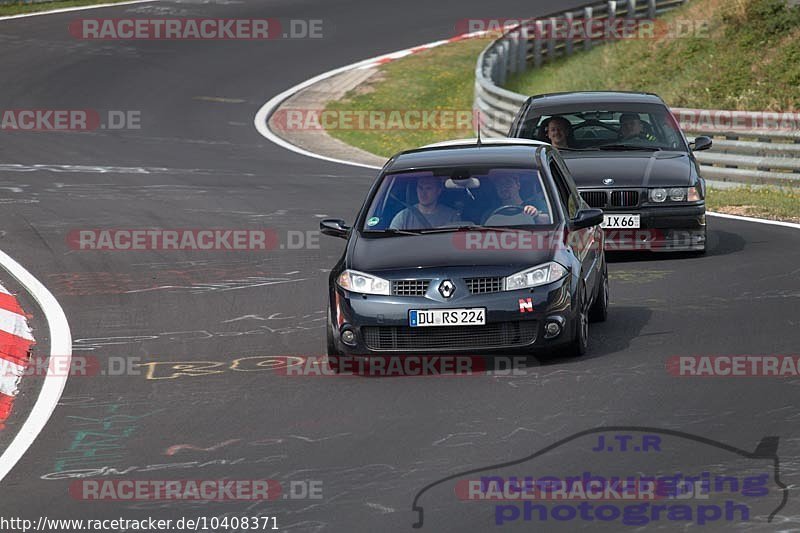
(580,340)
(599,310)
(334,356)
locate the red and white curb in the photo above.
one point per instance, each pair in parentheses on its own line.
(388,58)
(60,346)
(16,340)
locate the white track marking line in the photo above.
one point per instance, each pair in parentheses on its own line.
(76,8)
(263,114)
(759,220)
(53,387)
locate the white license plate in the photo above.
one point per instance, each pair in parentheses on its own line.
(418,318)
(621,221)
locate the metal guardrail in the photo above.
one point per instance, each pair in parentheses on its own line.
(765,155)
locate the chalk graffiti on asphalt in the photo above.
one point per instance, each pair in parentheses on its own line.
(278,324)
(99,437)
(176,369)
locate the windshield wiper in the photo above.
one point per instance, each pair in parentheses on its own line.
(473,227)
(591,148)
(392,231)
(628,147)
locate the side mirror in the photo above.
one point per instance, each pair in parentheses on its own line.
(701,143)
(334,227)
(587,218)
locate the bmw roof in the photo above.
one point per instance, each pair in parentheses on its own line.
(600,97)
(466,152)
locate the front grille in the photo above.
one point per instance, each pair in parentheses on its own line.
(410,287)
(597,199)
(484,285)
(625,198)
(496,335)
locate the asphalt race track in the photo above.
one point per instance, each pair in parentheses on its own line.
(371,443)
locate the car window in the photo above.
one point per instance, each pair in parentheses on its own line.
(442,198)
(638,126)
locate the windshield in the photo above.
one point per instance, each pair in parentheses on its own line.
(628,127)
(449,199)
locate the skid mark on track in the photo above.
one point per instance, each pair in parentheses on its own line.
(638,276)
(384,509)
(104,169)
(172,450)
(223,286)
(266,441)
(299,324)
(193,281)
(454,440)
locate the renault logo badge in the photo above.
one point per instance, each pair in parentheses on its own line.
(608,181)
(447,288)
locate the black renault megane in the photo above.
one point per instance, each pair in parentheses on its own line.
(470,248)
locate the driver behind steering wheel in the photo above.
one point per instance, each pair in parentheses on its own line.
(508,191)
(632,128)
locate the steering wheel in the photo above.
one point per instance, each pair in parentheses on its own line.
(506,210)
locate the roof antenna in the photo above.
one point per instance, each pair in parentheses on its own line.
(479,132)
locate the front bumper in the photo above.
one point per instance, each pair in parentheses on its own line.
(514,324)
(662,229)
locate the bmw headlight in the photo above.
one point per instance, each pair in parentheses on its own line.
(675,194)
(658,195)
(356,281)
(534,277)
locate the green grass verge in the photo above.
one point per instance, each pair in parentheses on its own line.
(21,8)
(774,204)
(441,78)
(748,58)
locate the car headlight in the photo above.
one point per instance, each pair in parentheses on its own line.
(658,195)
(356,281)
(534,277)
(675,194)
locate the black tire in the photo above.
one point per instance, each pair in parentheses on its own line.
(334,356)
(580,340)
(599,310)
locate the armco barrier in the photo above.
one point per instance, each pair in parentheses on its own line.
(757,155)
